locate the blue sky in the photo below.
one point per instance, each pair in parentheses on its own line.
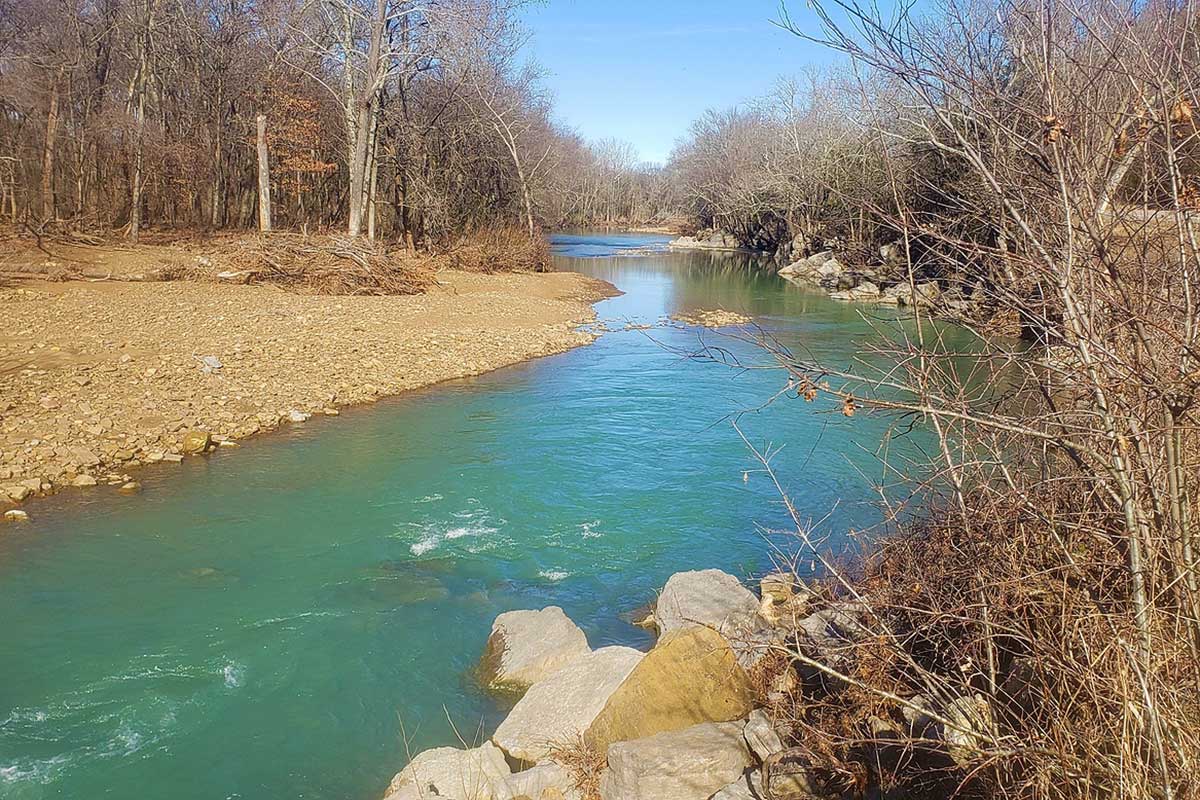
(642,71)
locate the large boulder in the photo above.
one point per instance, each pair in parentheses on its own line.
(691,764)
(806,270)
(709,598)
(691,676)
(447,772)
(544,782)
(527,646)
(559,709)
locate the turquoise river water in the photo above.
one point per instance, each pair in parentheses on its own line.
(290,619)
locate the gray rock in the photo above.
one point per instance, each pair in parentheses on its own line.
(830,273)
(864,292)
(747,787)
(903,294)
(544,782)
(760,735)
(691,764)
(527,646)
(447,772)
(561,707)
(831,634)
(18,493)
(971,727)
(708,598)
(893,254)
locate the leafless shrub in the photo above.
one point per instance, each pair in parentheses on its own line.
(1035,631)
(498,250)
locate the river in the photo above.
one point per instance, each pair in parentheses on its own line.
(287,620)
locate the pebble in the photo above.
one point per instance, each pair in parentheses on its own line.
(112,379)
(16,515)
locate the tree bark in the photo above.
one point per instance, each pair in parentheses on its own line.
(135,194)
(48,152)
(364,108)
(264,177)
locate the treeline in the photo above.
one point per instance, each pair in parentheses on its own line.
(413,120)
(858,157)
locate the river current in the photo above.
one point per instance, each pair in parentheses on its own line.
(290,619)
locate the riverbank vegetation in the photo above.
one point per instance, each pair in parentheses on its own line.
(407,122)
(1041,602)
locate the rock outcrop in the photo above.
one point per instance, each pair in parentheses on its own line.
(560,708)
(676,723)
(865,291)
(707,240)
(527,646)
(691,764)
(820,269)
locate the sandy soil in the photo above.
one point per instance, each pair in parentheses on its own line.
(97,378)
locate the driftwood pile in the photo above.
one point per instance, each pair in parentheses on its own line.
(325,264)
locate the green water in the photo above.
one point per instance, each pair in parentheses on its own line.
(288,620)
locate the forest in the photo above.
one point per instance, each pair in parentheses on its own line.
(410,121)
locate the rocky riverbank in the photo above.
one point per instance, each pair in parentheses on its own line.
(709,240)
(99,378)
(884,281)
(706,714)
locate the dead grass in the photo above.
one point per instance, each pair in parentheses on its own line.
(497,250)
(583,763)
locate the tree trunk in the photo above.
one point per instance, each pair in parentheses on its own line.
(135,194)
(264,177)
(365,108)
(48,153)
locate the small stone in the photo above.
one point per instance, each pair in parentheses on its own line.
(84,480)
(174,458)
(130,487)
(16,515)
(297,416)
(196,441)
(18,493)
(760,735)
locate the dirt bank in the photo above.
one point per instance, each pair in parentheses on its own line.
(97,378)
